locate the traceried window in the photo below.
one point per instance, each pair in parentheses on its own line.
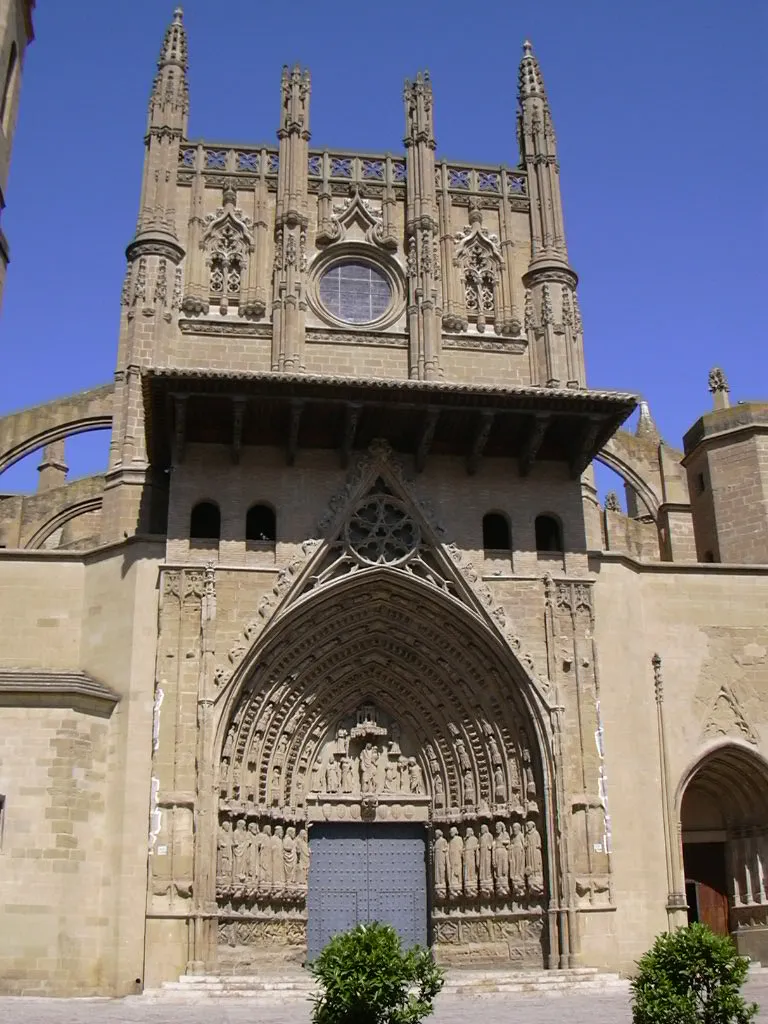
(226,262)
(480,285)
(355,292)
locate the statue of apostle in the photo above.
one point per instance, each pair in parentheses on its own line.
(440,857)
(455,862)
(471,862)
(485,871)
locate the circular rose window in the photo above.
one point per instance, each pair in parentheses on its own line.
(355,292)
(381,532)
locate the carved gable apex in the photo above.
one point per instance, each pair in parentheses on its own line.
(356,219)
(376,522)
(475,241)
(230,223)
(726,717)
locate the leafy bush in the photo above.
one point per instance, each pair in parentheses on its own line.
(691,976)
(366,978)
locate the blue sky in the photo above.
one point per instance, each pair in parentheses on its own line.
(659,112)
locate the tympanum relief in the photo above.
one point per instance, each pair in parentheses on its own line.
(475,784)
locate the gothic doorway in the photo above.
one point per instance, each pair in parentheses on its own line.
(382,702)
(366,872)
(724,819)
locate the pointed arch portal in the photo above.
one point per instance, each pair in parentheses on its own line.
(379,699)
(724,821)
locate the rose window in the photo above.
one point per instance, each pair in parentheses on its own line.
(381,532)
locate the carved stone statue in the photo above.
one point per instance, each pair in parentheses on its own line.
(469,789)
(278,864)
(229,745)
(517,860)
(499,789)
(415,776)
(439,790)
(471,862)
(302,858)
(464,762)
(534,866)
(369,757)
(493,746)
(391,777)
(290,857)
(440,855)
(240,844)
(332,777)
(455,862)
(347,776)
(316,778)
(485,859)
(224,862)
(254,853)
(265,881)
(501,859)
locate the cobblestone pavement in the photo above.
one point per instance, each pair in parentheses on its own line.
(608,1008)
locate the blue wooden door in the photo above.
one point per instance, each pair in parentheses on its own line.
(361,873)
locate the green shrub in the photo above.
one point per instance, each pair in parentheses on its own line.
(366,978)
(691,976)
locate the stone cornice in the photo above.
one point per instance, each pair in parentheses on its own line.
(597,558)
(26,687)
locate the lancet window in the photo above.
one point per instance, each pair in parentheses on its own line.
(480,284)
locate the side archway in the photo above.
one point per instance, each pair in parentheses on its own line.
(723,808)
(378,699)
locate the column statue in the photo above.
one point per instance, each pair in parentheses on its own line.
(455,862)
(440,857)
(534,866)
(240,844)
(471,862)
(501,859)
(290,857)
(485,870)
(517,860)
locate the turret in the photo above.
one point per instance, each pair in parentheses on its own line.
(726,458)
(552,312)
(152,285)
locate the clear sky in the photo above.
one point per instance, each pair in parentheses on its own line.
(659,108)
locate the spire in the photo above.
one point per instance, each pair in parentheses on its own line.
(529,79)
(646,426)
(419,124)
(538,154)
(169,103)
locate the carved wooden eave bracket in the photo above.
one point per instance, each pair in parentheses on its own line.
(29,687)
(424,418)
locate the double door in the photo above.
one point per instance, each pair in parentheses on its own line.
(366,872)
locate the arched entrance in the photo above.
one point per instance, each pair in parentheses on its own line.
(724,820)
(383,740)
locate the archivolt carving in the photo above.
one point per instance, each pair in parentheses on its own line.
(354,219)
(379,709)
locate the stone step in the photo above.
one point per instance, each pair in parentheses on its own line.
(298,986)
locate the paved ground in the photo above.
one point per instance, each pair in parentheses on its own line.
(610,1008)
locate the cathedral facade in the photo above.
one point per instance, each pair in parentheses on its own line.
(343,632)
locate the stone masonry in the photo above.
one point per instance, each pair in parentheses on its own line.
(346,590)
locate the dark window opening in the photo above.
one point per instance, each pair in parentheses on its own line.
(549,536)
(496,535)
(205,521)
(260,524)
(708,556)
(701,483)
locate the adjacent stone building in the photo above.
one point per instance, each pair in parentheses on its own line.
(16,33)
(343,632)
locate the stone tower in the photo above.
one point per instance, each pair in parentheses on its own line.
(16,33)
(726,458)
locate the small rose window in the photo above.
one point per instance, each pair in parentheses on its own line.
(355,292)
